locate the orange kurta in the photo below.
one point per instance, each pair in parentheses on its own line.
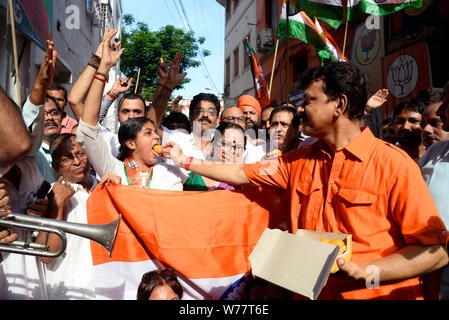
(371,190)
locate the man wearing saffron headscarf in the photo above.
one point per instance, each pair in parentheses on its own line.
(251,109)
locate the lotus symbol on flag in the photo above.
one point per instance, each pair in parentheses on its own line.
(402,74)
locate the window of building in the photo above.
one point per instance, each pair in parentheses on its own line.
(236,62)
(228,71)
(271,14)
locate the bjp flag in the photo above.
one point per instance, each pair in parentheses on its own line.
(206,237)
(260,85)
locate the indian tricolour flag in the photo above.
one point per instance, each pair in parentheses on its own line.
(335,52)
(356,8)
(330,11)
(206,237)
(300,26)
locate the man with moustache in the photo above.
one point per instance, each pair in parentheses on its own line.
(349,182)
(52,128)
(431,123)
(435,170)
(251,109)
(203,114)
(59,93)
(407,117)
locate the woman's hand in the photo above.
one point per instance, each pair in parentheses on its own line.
(109,178)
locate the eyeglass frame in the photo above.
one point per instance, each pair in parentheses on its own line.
(71,159)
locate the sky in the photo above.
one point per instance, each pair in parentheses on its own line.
(206,18)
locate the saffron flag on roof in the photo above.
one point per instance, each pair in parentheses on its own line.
(334,50)
(206,237)
(260,85)
(300,26)
(330,11)
(356,8)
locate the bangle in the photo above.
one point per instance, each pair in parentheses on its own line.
(188,163)
(102,74)
(115,95)
(102,80)
(110,96)
(164,86)
(93,65)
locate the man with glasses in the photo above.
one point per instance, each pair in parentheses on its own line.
(203,115)
(52,128)
(235,115)
(67,202)
(435,170)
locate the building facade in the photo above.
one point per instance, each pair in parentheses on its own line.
(75,26)
(241,23)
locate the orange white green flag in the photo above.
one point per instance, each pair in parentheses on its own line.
(356,8)
(301,27)
(206,237)
(334,50)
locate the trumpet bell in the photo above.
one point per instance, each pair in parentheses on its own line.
(104,234)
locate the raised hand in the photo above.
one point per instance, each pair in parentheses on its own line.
(121,85)
(61,192)
(174,106)
(110,55)
(377,100)
(170,76)
(45,76)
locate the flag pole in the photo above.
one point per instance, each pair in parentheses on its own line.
(137,83)
(288,48)
(345,12)
(272,69)
(14,44)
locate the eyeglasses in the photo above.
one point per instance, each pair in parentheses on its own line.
(232,119)
(53,113)
(167,274)
(68,161)
(210,111)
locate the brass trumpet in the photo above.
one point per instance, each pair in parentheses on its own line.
(104,234)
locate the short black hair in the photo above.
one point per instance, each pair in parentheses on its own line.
(177,117)
(133,96)
(414,104)
(153,279)
(282,109)
(204,97)
(431,95)
(341,78)
(57,87)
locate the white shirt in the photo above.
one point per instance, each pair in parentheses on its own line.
(165,176)
(69,276)
(434,166)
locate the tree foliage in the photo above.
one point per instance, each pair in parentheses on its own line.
(144,49)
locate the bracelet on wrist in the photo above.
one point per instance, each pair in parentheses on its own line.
(102,80)
(106,76)
(93,65)
(110,96)
(112,92)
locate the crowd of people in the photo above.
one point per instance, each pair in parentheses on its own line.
(386,185)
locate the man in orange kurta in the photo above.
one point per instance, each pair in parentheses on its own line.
(351,182)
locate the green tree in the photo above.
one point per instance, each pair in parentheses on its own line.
(145,48)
